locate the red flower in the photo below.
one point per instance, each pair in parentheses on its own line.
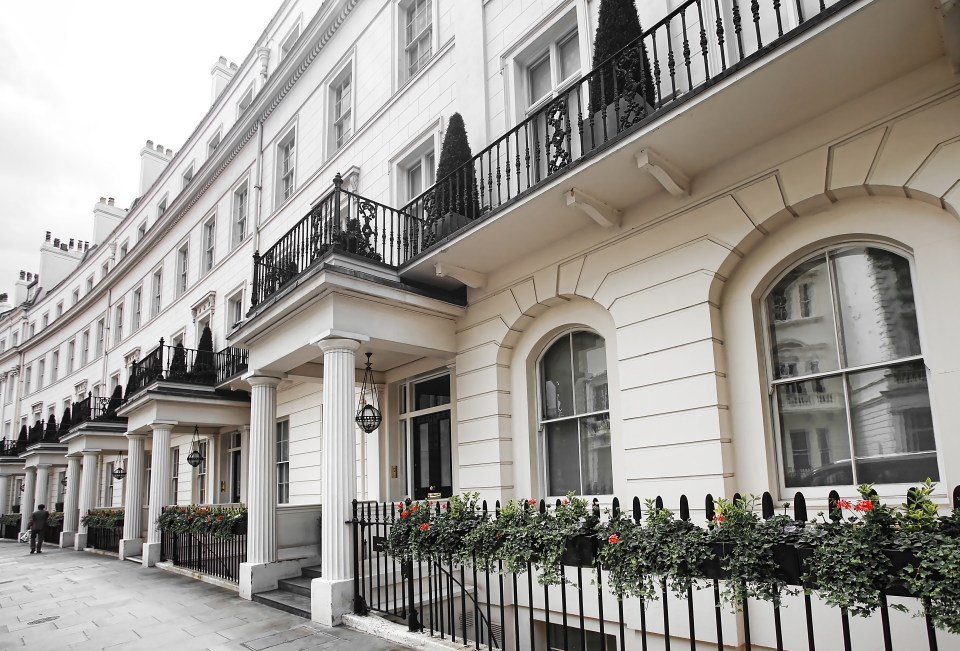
(400,506)
(719,518)
(843,504)
(219,517)
(614,539)
(424,526)
(443,505)
(864,505)
(565,502)
(404,514)
(413,508)
(532,502)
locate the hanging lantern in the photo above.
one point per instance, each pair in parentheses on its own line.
(63,482)
(119,472)
(368,413)
(195,458)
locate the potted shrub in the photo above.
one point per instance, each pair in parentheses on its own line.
(65,423)
(116,399)
(178,363)
(410,535)
(455,200)
(618,26)
(204,371)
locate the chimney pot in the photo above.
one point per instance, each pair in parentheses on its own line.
(63,246)
(102,200)
(170,152)
(233,66)
(149,143)
(160,148)
(23,274)
(71,242)
(56,242)
(109,201)
(29,276)
(223,60)
(48,236)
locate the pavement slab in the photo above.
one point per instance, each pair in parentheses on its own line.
(77,601)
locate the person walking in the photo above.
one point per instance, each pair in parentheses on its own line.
(38,526)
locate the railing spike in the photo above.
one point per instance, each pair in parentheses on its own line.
(766,505)
(615,506)
(543,506)
(709,508)
(737,497)
(637,515)
(659,502)
(956,497)
(835,514)
(799,507)
(684,508)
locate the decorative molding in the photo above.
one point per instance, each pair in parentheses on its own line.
(469,278)
(206,305)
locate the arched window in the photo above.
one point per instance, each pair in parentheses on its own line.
(574,415)
(848,380)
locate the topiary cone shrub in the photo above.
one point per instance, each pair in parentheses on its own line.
(178,364)
(456,196)
(65,422)
(618,25)
(51,433)
(204,371)
(116,399)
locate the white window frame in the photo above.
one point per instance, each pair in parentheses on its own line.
(156,294)
(118,323)
(286,166)
(161,207)
(71,355)
(209,244)
(286,45)
(142,230)
(406,44)
(542,421)
(136,312)
(283,461)
(214,143)
(187,176)
(59,310)
(200,473)
(240,213)
(415,153)
(124,248)
(234,309)
(41,371)
(245,101)
(55,366)
(76,297)
(341,120)
(85,348)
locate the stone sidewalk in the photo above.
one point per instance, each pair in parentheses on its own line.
(65,599)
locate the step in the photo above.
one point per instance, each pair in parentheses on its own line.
(297,585)
(312,572)
(295,604)
(135,559)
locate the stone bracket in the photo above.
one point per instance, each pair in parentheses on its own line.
(466,276)
(603,214)
(669,176)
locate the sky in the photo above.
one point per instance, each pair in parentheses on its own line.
(83,85)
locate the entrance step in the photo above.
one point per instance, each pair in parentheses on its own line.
(135,559)
(312,572)
(298,585)
(290,602)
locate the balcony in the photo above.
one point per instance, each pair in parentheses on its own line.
(10,449)
(94,409)
(181,365)
(698,51)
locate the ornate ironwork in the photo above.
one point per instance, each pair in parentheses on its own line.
(195,458)
(368,412)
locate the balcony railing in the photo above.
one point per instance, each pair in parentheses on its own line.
(94,408)
(175,364)
(341,221)
(11,448)
(692,48)
(231,362)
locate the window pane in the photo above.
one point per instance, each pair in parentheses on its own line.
(589,372)
(875,297)
(892,425)
(540,83)
(800,313)
(569,56)
(557,377)
(814,406)
(563,459)
(432,393)
(595,460)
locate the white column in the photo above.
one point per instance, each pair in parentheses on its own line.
(244,461)
(26,504)
(262,474)
(131,544)
(43,484)
(71,500)
(159,487)
(334,592)
(88,494)
(4,494)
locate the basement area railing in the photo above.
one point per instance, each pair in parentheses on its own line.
(478,601)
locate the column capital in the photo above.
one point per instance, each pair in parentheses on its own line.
(136,435)
(330,345)
(45,466)
(263,380)
(91,453)
(163,424)
(30,470)
(74,455)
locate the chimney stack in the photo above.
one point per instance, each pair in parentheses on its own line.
(106,217)
(20,289)
(153,160)
(222,73)
(56,261)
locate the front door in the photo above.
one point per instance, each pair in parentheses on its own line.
(432,462)
(235,476)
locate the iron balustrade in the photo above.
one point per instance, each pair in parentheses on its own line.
(231,362)
(9,531)
(206,553)
(174,364)
(11,448)
(93,408)
(341,221)
(51,533)
(692,48)
(105,538)
(474,606)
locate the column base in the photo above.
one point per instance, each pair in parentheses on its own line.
(261,577)
(130,547)
(80,541)
(67,539)
(151,554)
(330,600)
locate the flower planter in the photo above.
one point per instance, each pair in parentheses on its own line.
(581,551)
(239,527)
(713,568)
(789,566)
(901,561)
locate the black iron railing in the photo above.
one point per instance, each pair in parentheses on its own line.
(51,534)
(105,538)
(231,362)
(340,221)
(482,603)
(174,364)
(693,47)
(11,448)
(9,531)
(94,408)
(204,552)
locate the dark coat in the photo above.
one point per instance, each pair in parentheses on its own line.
(39,519)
